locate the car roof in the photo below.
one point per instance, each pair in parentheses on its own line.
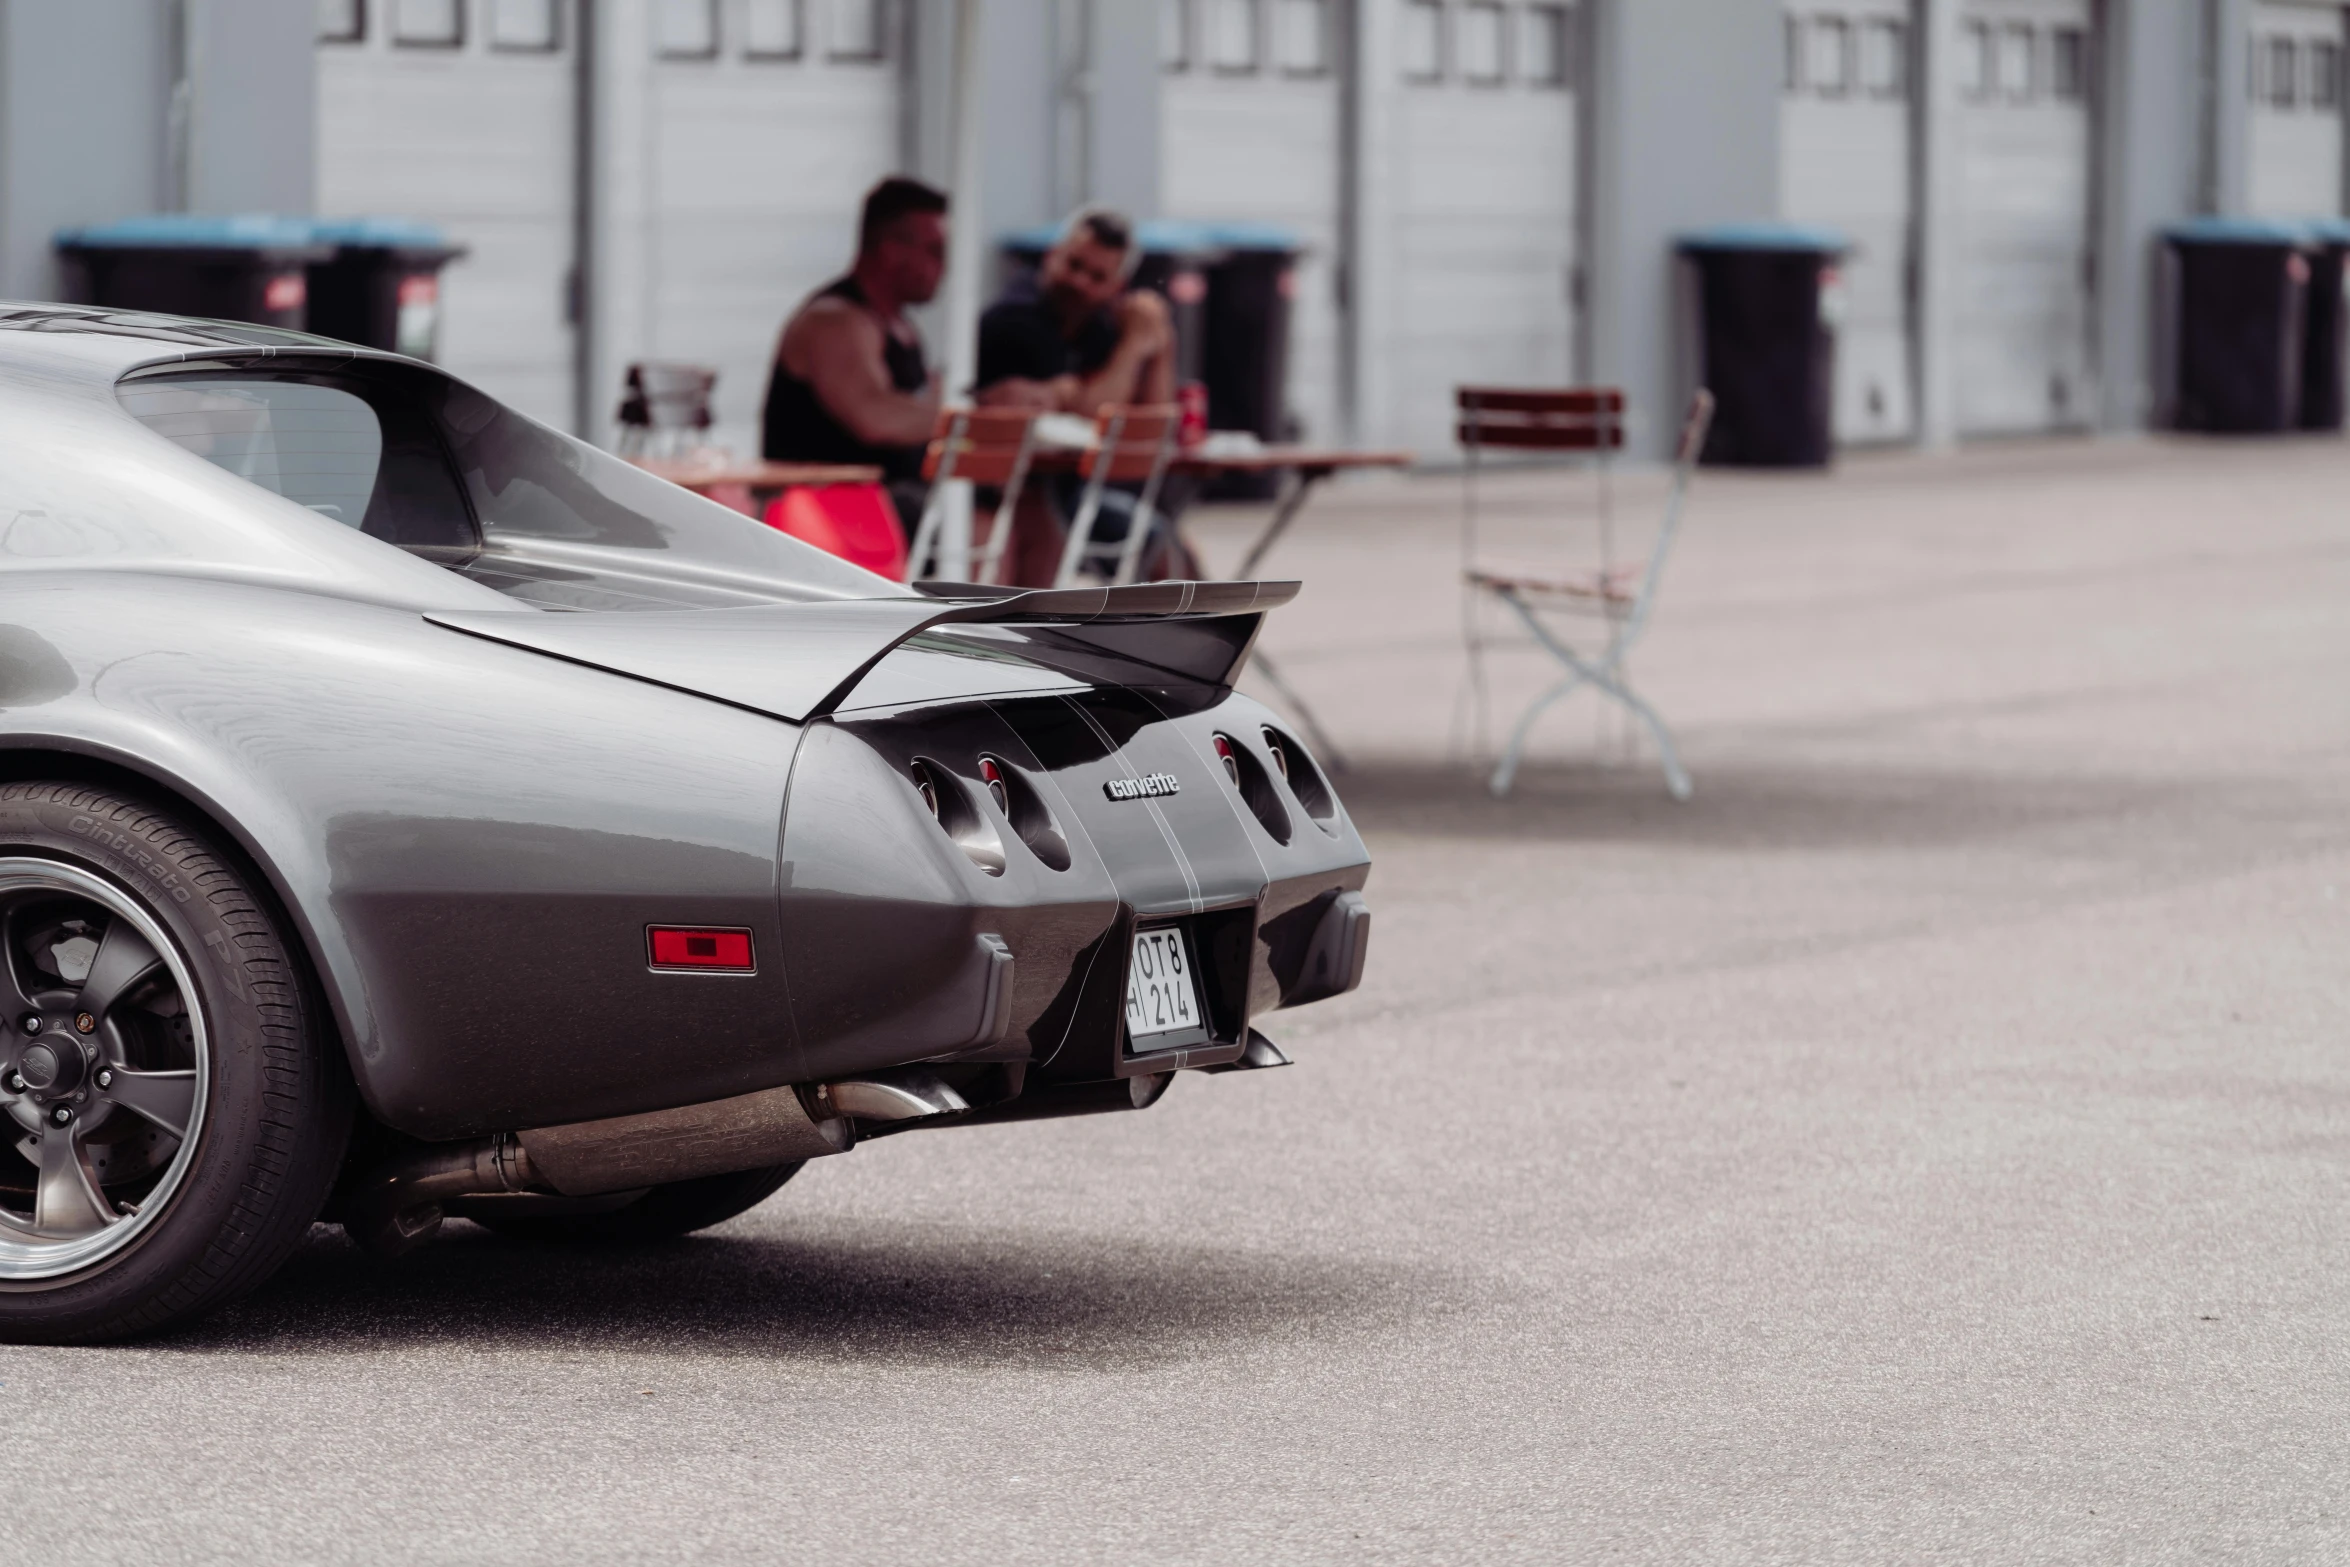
(109,342)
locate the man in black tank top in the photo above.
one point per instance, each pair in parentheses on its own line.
(850,384)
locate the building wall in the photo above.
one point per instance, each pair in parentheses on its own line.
(716,192)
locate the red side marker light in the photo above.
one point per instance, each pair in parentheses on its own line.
(718,950)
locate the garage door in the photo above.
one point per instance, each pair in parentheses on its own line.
(461,114)
(1483,252)
(1844,164)
(770,120)
(2024,309)
(2295,65)
(1249,131)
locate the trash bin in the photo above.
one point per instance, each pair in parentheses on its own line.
(1175,261)
(228,269)
(381,287)
(1246,366)
(2322,342)
(1766,301)
(2242,295)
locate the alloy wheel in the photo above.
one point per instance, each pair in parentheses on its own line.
(103,1069)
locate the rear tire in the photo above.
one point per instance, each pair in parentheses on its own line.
(170,1130)
(664,1213)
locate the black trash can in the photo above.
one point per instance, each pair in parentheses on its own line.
(2242,293)
(381,288)
(1246,366)
(228,269)
(2322,341)
(1764,297)
(1175,261)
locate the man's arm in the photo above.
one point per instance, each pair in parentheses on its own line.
(1141,369)
(837,349)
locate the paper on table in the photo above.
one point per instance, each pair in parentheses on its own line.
(1066,432)
(1229,443)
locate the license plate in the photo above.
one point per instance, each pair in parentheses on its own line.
(1160,995)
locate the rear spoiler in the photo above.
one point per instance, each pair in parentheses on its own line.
(800,661)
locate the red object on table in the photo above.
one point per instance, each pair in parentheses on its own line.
(1192,397)
(857,522)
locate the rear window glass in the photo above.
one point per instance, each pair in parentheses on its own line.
(317,446)
(356,449)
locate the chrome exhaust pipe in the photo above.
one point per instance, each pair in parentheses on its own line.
(399,1209)
(400,1206)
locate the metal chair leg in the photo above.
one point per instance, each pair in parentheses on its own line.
(1506,773)
(1676,776)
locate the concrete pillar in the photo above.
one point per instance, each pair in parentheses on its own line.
(252,105)
(1367,55)
(2152,165)
(617,313)
(1685,128)
(1122,119)
(2224,91)
(1938,218)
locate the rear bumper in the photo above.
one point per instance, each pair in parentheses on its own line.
(996,941)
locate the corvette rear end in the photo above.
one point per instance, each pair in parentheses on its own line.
(408,810)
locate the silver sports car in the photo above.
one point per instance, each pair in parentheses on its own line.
(407,810)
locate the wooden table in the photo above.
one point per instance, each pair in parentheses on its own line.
(702,476)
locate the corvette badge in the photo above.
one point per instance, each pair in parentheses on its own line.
(1148,787)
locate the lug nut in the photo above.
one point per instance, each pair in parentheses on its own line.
(86,1023)
(32,1022)
(106,1077)
(62,1115)
(15,1084)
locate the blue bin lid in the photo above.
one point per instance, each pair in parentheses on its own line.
(1174,236)
(2330,231)
(2237,231)
(194,231)
(381,232)
(1766,236)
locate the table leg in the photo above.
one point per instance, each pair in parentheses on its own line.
(1300,483)
(1332,757)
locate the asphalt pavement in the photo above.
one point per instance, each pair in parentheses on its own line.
(1931,1142)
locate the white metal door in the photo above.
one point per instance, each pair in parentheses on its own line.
(2294,61)
(2025,151)
(462,115)
(1249,132)
(1845,164)
(769,121)
(1483,209)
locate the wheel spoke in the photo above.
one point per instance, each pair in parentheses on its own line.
(123,959)
(166,1098)
(66,1200)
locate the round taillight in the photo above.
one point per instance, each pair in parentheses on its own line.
(993,776)
(928,790)
(1279,752)
(1231,762)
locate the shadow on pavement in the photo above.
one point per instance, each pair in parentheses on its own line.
(1778,806)
(910,1293)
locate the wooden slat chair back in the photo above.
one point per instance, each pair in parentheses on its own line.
(1570,419)
(1579,419)
(1137,442)
(987,446)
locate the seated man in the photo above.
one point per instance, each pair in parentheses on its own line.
(850,384)
(1082,340)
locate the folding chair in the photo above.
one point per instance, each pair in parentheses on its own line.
(1621,597)
(1137,441)
(991,446)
